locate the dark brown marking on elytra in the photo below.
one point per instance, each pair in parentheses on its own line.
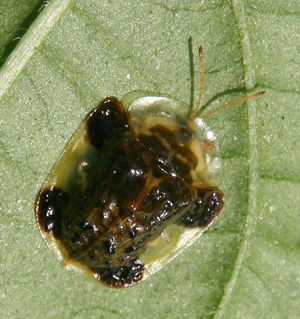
(164,132)
(125,276)
(51,204)
(110,247)
(107,124)
(206,206)
(139,186)
(169,152)
(155,145)
(185,151)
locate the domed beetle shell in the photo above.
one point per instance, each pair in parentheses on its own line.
(132,189)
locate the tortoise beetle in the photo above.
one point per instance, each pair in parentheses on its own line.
(132,188)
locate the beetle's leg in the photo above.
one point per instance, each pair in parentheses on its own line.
(208,146)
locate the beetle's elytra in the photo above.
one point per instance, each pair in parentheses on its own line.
(120,182)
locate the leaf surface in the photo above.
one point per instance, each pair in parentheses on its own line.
(77,52)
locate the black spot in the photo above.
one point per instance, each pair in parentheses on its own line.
(50,206)
(110,246)
(107,124)
(92,257)
(86,227)
(109,263)
(76,239)
(131,249)
(132,232)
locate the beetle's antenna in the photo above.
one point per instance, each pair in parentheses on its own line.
(202,77)
(224,106)
(234,102)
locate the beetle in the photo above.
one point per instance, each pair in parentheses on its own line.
(125,178)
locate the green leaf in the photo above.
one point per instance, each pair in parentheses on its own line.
(15,18)
(77,52)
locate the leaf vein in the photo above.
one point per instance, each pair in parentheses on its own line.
(239,13)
